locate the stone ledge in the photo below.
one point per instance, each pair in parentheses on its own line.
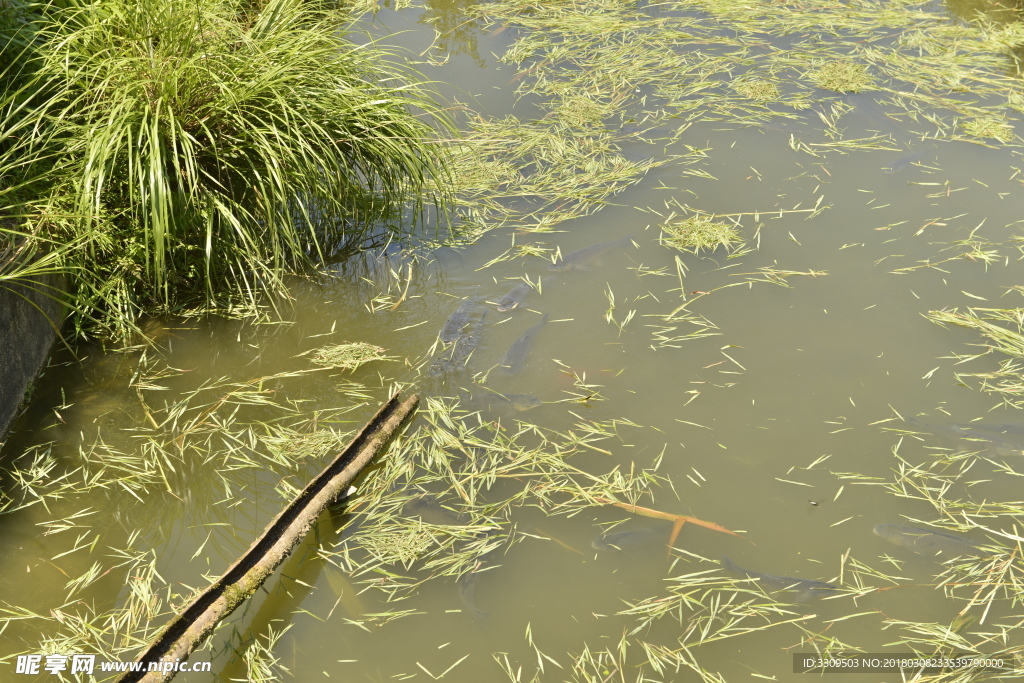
(29,319)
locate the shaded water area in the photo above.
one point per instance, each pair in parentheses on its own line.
(791,387)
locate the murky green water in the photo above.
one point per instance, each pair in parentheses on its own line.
(763,391)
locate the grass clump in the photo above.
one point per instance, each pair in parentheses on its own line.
(348,356)
(580,111)
(757,89)
(989,127)
(301,446)
(209,149)
(842,76)
(699,232)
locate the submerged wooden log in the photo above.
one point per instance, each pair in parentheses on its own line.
(190,628)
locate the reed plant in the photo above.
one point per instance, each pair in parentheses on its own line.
(29,258)
(200,152)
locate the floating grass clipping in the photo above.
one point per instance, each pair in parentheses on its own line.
(486,479)
(989,127)
(582,58)
(536,174)
(1010,342)
(842,76)
(580,111)
(348,356)
(756,89)
(297,446)
(1008,380)
(699,232)
(261,663)
(947,482)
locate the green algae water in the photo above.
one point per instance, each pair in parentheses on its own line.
(758,354)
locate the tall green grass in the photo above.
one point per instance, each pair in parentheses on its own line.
(207,149)
(28,256)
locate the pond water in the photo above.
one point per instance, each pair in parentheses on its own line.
(789,388)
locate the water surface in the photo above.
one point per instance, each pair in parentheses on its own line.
(764,390)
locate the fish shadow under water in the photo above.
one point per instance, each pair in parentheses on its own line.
(802,590)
